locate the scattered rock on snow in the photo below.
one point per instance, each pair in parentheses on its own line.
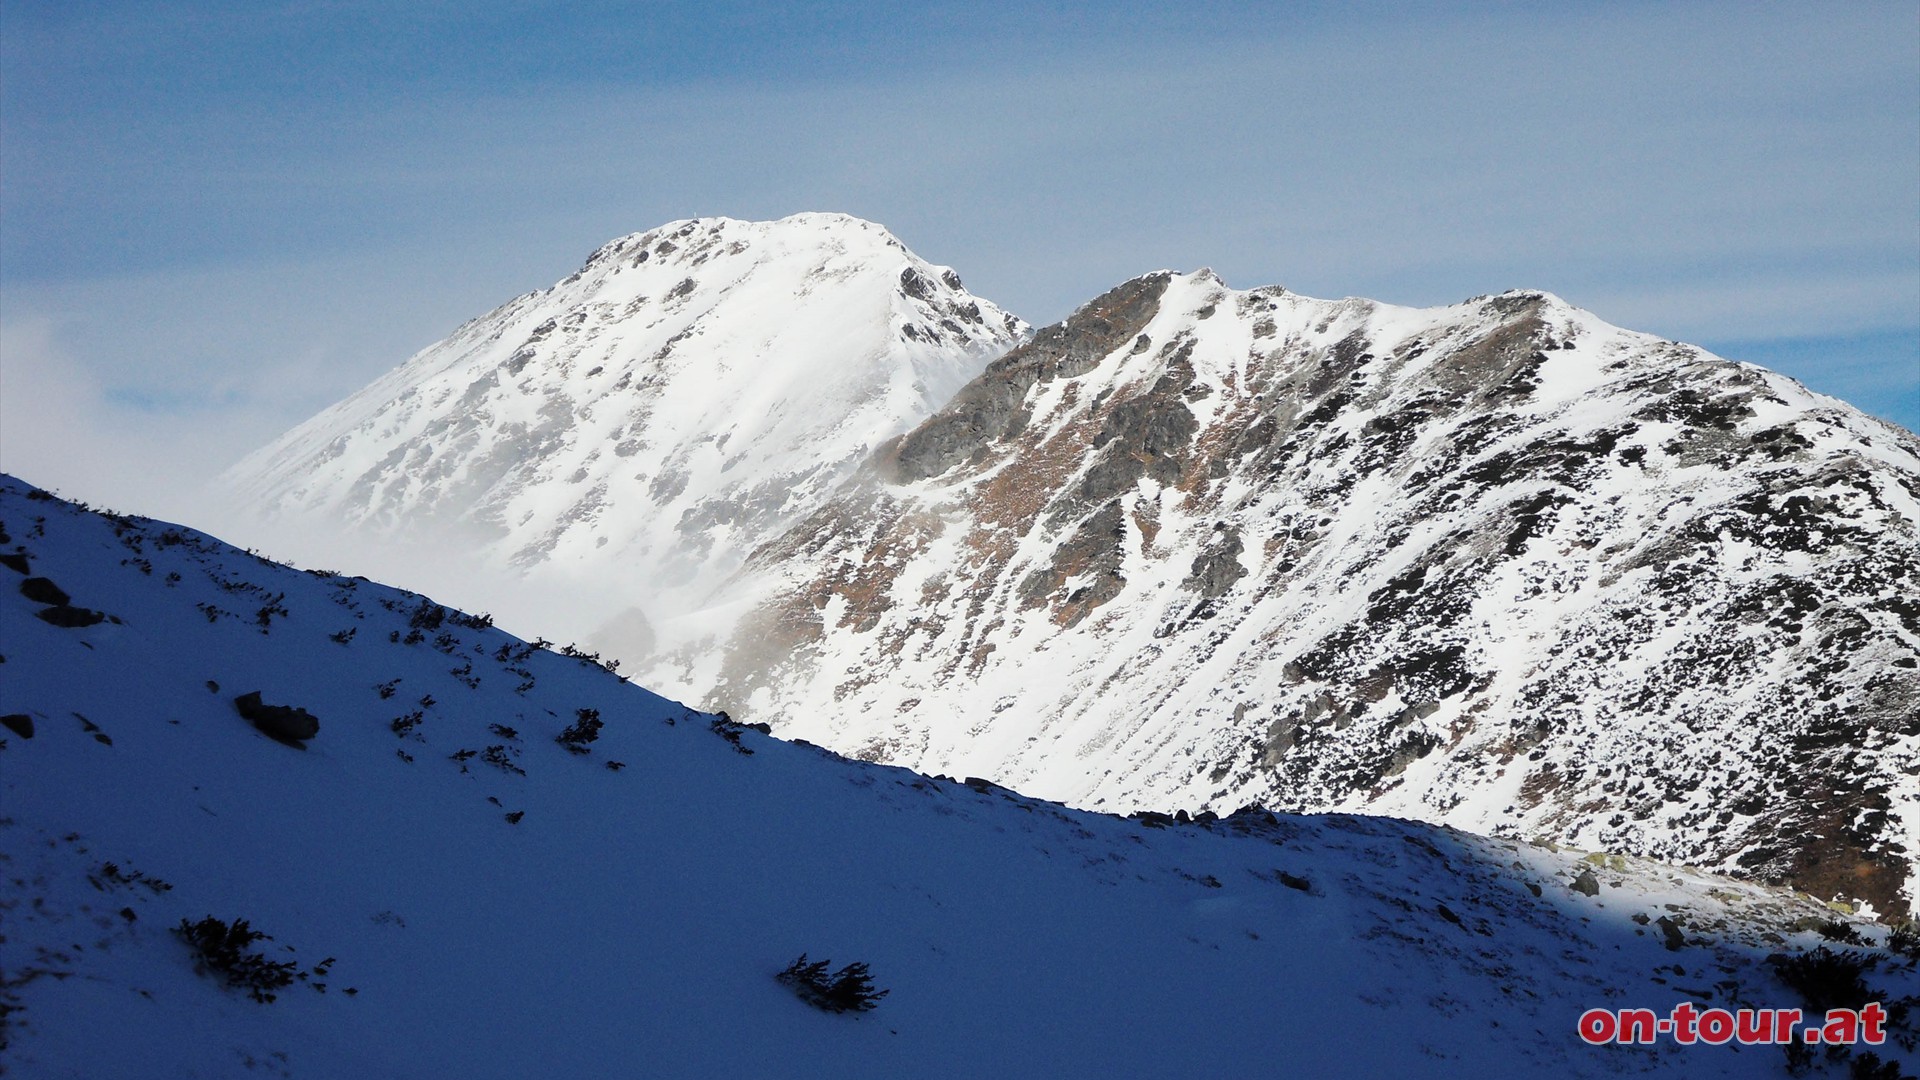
(69,617)
(1586,883)
(1676,939)
(283,722)
(43,591)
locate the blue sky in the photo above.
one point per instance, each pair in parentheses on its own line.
(217,218)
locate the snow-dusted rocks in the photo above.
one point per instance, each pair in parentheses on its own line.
(647,422)
(1499,565)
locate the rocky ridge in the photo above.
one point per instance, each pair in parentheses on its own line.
(1499,565)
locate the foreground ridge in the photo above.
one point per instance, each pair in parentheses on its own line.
(487,858)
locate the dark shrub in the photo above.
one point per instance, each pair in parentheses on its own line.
(1840,930)
(224,948)
(585,728)
(1905,940)
(725,727)
(1868,1066)
(428,616)
(848,990)
(1826,979)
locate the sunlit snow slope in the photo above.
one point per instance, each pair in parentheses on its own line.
(1500,565)
(648,421)
(462,895)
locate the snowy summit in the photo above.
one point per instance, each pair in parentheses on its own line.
(650,419)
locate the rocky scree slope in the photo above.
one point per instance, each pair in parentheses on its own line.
(647,421)
(486,859)
(1499,565)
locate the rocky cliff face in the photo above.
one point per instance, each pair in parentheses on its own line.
(1499,565)
(646,422)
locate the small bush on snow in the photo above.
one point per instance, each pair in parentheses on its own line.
(848,990)
(584,730)
(223,948)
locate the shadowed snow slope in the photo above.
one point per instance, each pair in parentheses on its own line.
(463,894)
(1499,565)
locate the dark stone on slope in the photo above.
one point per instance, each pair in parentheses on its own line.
(1410,749)
(988,408)
(1094,553)
(1700,408)
(43,591)
(15,562)
(1531,517)
(19,723)
(283,722)
(1216,569)
(69,617)
(1674,937)
(1586,883)
(915,285)
(1147,436)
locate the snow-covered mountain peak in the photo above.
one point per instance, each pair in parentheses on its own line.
(1498,564)
(830,243)
(684,394)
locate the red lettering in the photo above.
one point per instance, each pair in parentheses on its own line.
(1597,1026)
(1872,1016)
(1754,1026)
(1716,1026)
(1842,1027)
(1637,1026)
(1684,1015)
